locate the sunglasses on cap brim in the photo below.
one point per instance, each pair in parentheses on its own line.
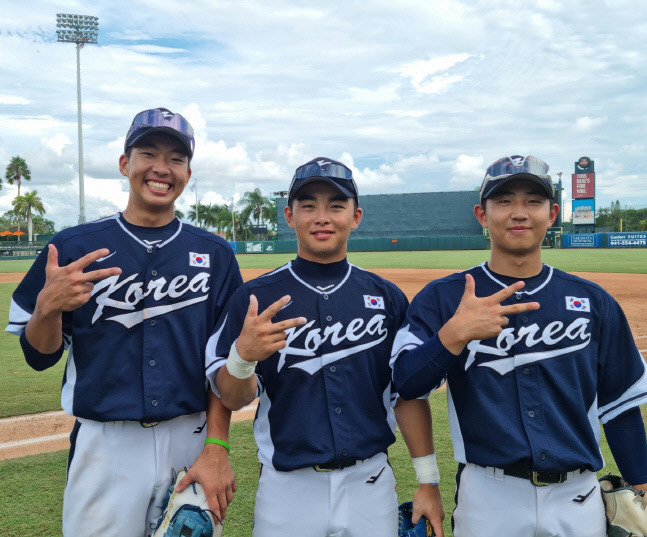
(162,118)
(517,164)
(339,173)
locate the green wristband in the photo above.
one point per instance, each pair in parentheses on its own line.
(217,441)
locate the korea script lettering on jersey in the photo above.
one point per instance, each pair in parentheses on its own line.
(552,335)
(105,290)
(311,339)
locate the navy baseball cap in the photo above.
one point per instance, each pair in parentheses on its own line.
(506,169)
(324,169)
(160,120)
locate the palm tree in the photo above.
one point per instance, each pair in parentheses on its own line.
(17,170)
(179,214)
(197,212)
(26,205)
(254,203)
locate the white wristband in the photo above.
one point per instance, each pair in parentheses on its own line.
(426,469)
(238,367)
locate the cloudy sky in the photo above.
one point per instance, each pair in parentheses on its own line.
(414,95)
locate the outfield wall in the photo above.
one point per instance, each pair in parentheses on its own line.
(605,240)
(465,242)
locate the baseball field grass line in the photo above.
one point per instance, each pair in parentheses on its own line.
(627,260)
(30,441)
(621,260)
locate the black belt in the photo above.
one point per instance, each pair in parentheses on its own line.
(538,478)
(330,466)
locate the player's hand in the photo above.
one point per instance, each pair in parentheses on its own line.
(427,503)
(478,318)
(68,288)
(213,471)
(642,487)
(260,337)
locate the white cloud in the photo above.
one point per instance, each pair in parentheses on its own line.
(419,95)
(586,123)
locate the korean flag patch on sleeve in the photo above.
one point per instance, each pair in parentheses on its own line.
(374,302)
(199,260)
(577,304)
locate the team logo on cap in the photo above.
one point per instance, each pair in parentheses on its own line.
(323,164)
(577,304)
(199,260)
(374,302)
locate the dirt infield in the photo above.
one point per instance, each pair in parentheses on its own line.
(27,435)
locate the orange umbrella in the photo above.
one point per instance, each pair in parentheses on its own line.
(5,232)
(18,232)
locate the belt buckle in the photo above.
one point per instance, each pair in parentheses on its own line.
(535,481)
(149,424)
(318,468)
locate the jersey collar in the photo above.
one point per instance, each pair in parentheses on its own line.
(533,285)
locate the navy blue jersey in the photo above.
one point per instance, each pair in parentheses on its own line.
(136,349)
(536,393)
(327,396)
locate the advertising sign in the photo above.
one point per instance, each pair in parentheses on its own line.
(583,185)
(627,240)
(259,247)
(584,211)
(584,165)
(583,240)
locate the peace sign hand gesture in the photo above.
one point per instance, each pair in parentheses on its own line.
(68,288)
(260,337)
(478,318)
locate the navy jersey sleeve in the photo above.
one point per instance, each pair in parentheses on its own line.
(622,379)
(420,361)
(23,304)
(226,332)
(23,300)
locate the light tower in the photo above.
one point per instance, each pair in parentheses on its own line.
(79,29)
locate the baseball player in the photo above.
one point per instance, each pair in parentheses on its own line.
(133,298)
(534,358)
(312,339)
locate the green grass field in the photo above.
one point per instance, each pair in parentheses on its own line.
(33,486)
(621,260)
(32,499)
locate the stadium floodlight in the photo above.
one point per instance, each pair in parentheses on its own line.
(79,29)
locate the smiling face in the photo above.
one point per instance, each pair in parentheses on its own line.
(323,219)
(517,216)
(158,171)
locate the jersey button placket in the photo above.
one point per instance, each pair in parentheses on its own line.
(151,340)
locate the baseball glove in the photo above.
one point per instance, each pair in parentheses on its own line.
(186,513)
(625,508)
(405,526)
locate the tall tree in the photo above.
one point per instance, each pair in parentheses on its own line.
(26,205)
(17,171)
(257,206)
(197,212)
